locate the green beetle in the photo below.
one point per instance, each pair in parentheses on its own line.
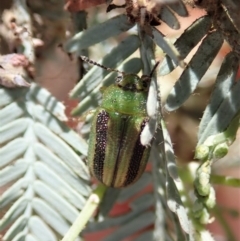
(116,156)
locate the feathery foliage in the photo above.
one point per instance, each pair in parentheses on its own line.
(44,180)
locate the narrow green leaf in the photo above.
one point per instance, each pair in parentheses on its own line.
(61,129)
(173,197)
(175,204)
(98,33)
(145,236)
(179,7)
(225,80)
(132,190)
(143,220)
(57,183)
(195,70)
(14,212)
(8,96)
(169,18)
(60,205)
(166,66)
(114,222)
(22,237)
(13,172)
(41,230)
(144,201)
(192,35)
(61,169)
(13,129)
(148,59)
(12,193)
(11,112)
(61,149)
(7,154)
(109,199)
(19,225)
(224,114)
(49,215)
(167,47)
(48,101)
(169,154)
(186,42)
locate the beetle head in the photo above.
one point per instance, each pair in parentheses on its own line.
(133,83)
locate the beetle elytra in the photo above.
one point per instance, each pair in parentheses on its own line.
(116,156)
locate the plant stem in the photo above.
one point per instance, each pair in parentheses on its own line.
(86,213)
(225,180)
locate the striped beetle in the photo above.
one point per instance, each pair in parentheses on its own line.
(116,156)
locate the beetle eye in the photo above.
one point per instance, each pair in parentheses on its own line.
(119,78)
(145,84)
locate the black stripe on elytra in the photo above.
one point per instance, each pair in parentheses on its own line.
(136,158)
(100,146)
(120,145)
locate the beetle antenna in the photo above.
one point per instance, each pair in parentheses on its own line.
(86,59)
(154,68)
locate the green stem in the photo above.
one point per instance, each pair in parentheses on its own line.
(86,213)
(225,180)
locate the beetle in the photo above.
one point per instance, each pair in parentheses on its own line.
(116,156)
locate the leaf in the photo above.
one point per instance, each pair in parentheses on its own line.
(132,190)
(166,66)
(39,229)
(195,70)
(186,42)
(58,166)
(167,47)
(161,208)
(162,167)
(11,112)
(7,154)
(224,114)
(98,33)
(16,228)
(47,182)
(51,196)
(148,59)
(224,82)
(63,151)
(145,236)
(169,154)
(13,129)
(169,18)
(12,193)
(179,7)
(9,95)
(14,212)
(142,221)
(192,35)
(50,103)
(176,205)
(231,9)
(108,201)
(13,172)
(50,215)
